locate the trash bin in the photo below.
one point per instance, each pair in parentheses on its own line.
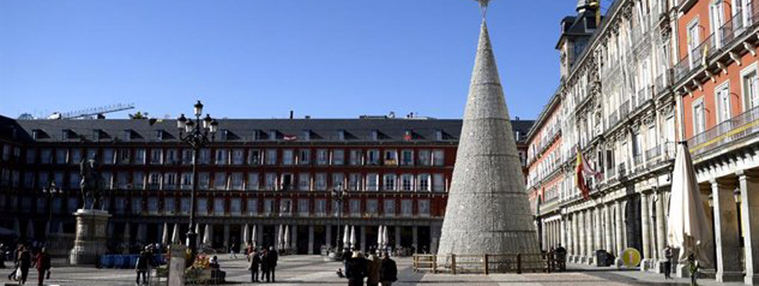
(601,258)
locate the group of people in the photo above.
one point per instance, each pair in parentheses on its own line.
(265,260)
(145,261)
(24,259)
(375,270)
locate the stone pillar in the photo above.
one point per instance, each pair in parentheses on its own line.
(582,239)
(576,236)
(415,237)
(226,237)
(608,225)
(619,222)
(90,240)
(294,238)
(397,237)
(590,234)
(311,240)
(726,236)
(661,228)
(328,236)
(362,234)
(241,240)
(750,218)
(645,232)
(563,231)
(543,235)
(597,229)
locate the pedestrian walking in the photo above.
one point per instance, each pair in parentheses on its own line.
(273,258)
(25,262)
(668,262)
(388,270)
(142,267)
(255,262)
(233,249)
(356,269)
(373,270)
(265,274)
(42,263)
(14,275)
(561,258)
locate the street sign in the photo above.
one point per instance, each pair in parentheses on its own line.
(631,257)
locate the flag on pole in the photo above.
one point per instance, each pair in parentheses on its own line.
(579,176)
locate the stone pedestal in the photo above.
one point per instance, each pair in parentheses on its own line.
(176,265)
(90,239)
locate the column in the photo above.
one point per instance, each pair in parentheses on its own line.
(590,234)
(645,230)
(260,236)
(618,233)
(563,231)
(294,238)
(576,236)
(329,236)
(750,218)
(543,235)
(242,243)
(397,237)
(726,236)
(608,229)
(310,249)
(226,237)
(414,236)
(661,229)
(581,235)
(597,228)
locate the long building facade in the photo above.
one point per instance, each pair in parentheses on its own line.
(264,173)
(652,73)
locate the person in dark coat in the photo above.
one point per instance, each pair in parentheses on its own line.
(356,269)
(273,257)
(14,274)
(42,262)
(141,267)
(255,261)
(24,262)
(265,265)
(388,270)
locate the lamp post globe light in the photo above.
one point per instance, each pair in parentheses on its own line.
(197,133)
(50,192)
(337,194)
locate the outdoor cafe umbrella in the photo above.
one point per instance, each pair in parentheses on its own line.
(286,239)
(207,234)
(688,228)
(165,234)
(379,237)
(385,241)
(253,236)
(279,236)
(353,236)
(246,233)
(175,234)
(346,237)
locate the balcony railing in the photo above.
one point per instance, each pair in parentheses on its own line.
(738,127)
(638,159)
(622,169)
(652,155)
(624,109)
(613,119)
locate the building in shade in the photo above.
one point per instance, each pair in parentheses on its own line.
(262,173)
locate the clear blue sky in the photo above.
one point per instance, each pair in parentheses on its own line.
(259,59)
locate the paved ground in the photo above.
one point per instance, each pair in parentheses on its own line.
(313,270)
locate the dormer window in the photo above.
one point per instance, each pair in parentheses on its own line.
(257,135)
(36,134)
(225,134)
(159,135)
(439,135)
(307,134)
(67,134)
(272,135)
(341,135)
(99,134)
(375,135)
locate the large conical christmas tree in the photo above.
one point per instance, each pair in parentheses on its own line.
(488,210)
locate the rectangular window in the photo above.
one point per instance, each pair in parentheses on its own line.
(424,207)
(320,207)
(202,206)
(136,205)
(287,157)
(124,156)
(204,180)
(288,182)
(238,157)
(268,206)
(355,157)
(46,156)
(751,90)
(154,181)
(169,206)
(423,183)
(407,157)
(304,156)
(155,156)
(389,208)
(60,155)
(270,181)
(184,205)
(218,206)
(372,182)
(438,183)
(391,157)
(723,103)
(355,207)
(699,118)
(254,157)
(252,181)
(222,157)
(354,182)
(337,180)
(271,156)
(388,182)
(373,157)
(108,156)
(438,158)
(235,206)
(236,181)
(186,181)
(372,207)
(187,156)
(138,180)
(171,157)
(204,156)
(252,206)
(407,182)
(152,205)
(31,156)
(304,181)
(28,180)
(406,207)
(303,207)
(322,157)
(91,153)
(285,207)
(320,182)
(170,181)
(220,181)
(139,156)
(338,157)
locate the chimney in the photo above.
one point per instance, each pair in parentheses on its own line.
(291,114)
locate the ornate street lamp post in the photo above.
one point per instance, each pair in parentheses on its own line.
(50,191)
(197,133)
(337,194)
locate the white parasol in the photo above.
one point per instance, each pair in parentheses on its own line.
(353,236)
(385,240)
(379,237)
(346,237)
(175,234)
(688,228)
(286,239)
(253,236)
(245,234)
(165,234)
(207,234)
(279,236)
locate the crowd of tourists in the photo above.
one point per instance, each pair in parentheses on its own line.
(369,268)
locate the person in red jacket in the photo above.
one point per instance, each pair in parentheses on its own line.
(42,263)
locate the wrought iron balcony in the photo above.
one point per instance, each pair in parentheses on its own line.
(725,133)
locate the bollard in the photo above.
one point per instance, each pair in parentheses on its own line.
(453,263)
(519,263)
(434,264)
(486,264)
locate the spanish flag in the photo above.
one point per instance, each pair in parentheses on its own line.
(580,177)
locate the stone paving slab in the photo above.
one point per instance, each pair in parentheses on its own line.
(313,270)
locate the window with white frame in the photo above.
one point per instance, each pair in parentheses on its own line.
(388,182)
(60,154)
(338,157)
(354,207)
(270,181)
(204,156)
(169,181)
(169,206)
(154,180)
(373,157)
(252,182)
(252,206)
(238,156)
(121,204)
(288,157)
(187,156)
(271,157)
(372,182)
(254,157)
(372,207)
(222,156)
(424,207)
(320,181)
(304,181)
(322,157)
(204,180)
(218,206)
(320,207)
(235,181)
(136,205)
(722,97)
(389,207)
(355,157)
(699,117)
(235,206)
(172,156)
(438,182)
(184,205)
(303,207)
(438,158)
(138,180)
(337,179)
(407,182)
(423,182)
(220,181)
(304,156)
(152,205)
(354,182)
(285,207)
(186,181)
(156,156)
(750,89)
(406,207)
(139,155)
(46,156)
(391,157)
(407,157)
(202,206)
(31,156)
